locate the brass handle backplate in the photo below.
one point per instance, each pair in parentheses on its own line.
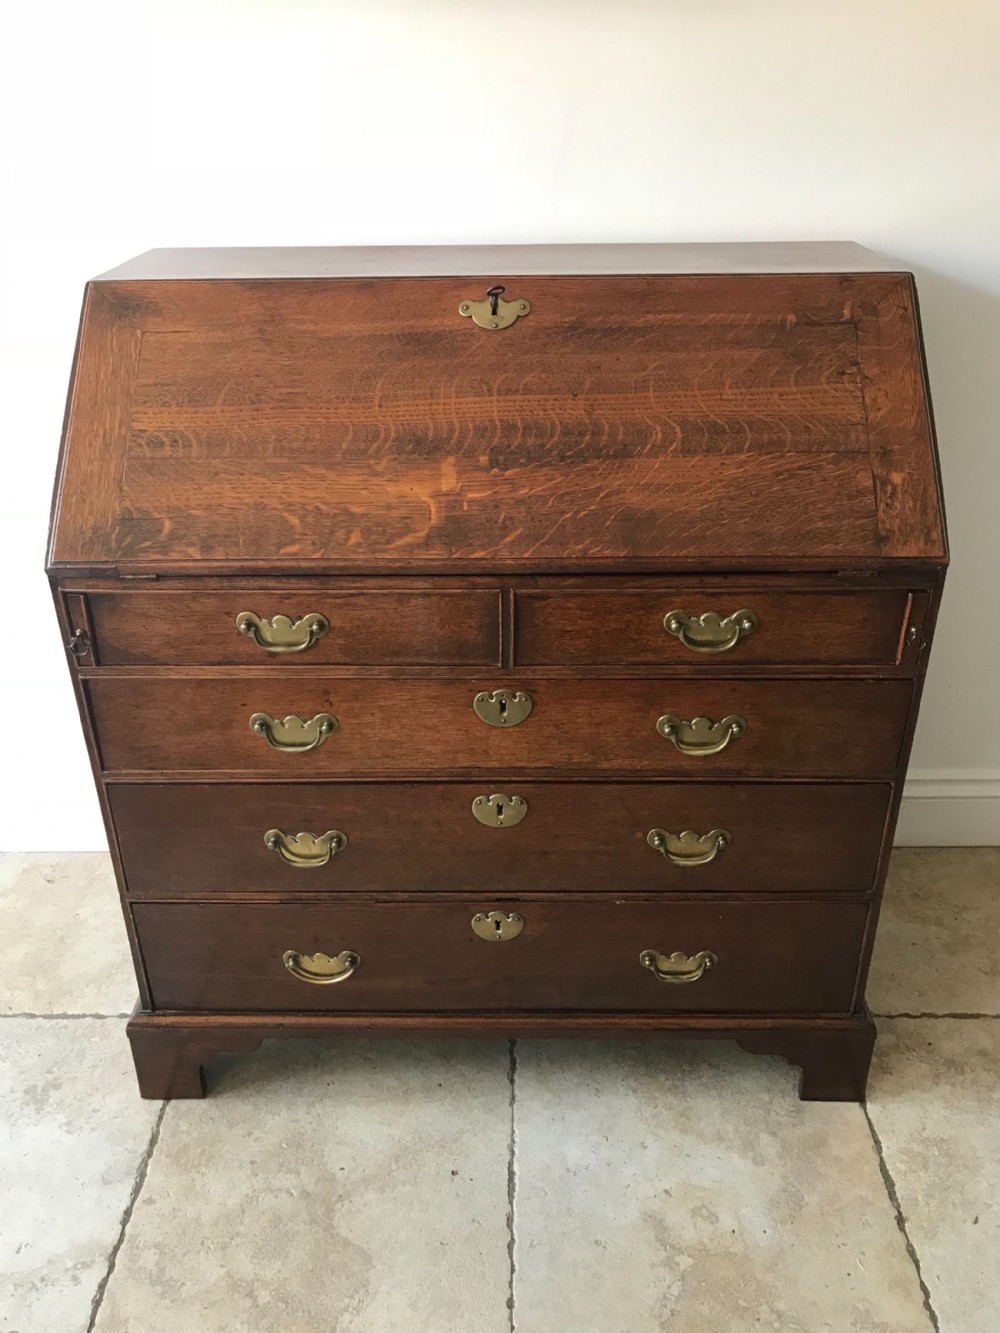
(689,848)
(320,968)
(305,850)
(293,733)
(503,708)
(281,634)
(710,633)
(497,926)
(499,811)
(701,736)
(677,968)
(79,643)
(494,313)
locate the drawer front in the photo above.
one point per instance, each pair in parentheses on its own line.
(585,955)
(459,627)
(792,728)
(671,627)
(195,840)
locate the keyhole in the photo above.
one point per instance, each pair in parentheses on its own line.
(494,294)
(503,708)
(499,812)
(498,926)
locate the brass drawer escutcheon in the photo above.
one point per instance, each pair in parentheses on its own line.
(494,313)
(677,968)
(281,634)
(689,848)
(503,708)
(701,736)
(710,633)
(497,926)
(293,733)
(320,968)
(499,811)
(305,850)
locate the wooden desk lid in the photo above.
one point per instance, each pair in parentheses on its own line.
(356,422)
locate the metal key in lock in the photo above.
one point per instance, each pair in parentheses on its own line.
(499,811)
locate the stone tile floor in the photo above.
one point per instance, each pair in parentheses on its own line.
(479,1187)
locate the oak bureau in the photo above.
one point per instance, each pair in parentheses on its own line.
(500,640)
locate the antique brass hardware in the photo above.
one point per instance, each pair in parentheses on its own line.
(689,848)
(79,643)
(710,633)
(305,850)
(503,708)
(293,733)
(677,968)
(320,968)
(701,735)
(499,811)
(494,313)
(281,634)
(498,926)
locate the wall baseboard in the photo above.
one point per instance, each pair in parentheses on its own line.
(941,808)
(950,807)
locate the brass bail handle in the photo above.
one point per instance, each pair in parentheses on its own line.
(711,632)
(689,848)
(677,969)
(322,969)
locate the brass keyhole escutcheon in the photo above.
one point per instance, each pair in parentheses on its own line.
(503,708)
(494,313)
(497,926)
(499,811)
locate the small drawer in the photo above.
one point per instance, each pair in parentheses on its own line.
(297,627)
(198,840)
(355,727)
(735,957)
(718,625)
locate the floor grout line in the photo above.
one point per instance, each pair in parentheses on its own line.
(512,1182)
(140,1180)
(932,1014)
(25,1014)
(892,1192)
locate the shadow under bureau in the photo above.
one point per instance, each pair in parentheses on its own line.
(520,641)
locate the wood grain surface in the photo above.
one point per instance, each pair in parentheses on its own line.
(364,422)
(603,627)
(788,956)
(188,627)
(417,727)
(198,841)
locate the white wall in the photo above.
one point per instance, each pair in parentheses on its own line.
(132,125)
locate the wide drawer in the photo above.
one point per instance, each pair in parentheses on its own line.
(429,726)
(792,957)
(197,840)
(677,627)
(456,627)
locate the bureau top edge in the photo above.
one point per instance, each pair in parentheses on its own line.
(807,575)
(574,260)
